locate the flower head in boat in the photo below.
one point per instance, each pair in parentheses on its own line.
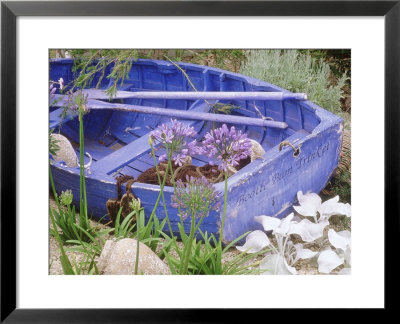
(226,147)
(195,196)
(173,138)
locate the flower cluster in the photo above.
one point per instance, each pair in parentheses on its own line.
(286,253)
(173,138)
(226,147)
(74,101)
(196,196)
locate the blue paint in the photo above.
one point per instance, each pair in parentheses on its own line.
(118,141)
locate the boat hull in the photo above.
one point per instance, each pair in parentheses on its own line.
(267,186)
(270,186)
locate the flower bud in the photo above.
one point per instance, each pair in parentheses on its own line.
(66,198)
(135,204)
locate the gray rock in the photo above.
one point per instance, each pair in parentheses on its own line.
(257,150)
(119,258)
(66,152)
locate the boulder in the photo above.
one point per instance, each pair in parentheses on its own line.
(119,257)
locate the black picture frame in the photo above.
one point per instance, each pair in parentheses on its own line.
(10,10)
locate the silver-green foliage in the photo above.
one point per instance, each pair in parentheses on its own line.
(296,72)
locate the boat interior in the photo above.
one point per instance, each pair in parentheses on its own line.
(118,141)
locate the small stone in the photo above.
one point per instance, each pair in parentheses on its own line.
(119,258)
(257,150)
(65,152)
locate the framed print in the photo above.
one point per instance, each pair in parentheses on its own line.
(33,31)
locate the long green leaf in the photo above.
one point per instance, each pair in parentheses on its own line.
(65,262)
(234,241)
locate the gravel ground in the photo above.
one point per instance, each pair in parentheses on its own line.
(303,267)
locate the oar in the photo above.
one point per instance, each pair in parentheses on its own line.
(182,114)
(192,95)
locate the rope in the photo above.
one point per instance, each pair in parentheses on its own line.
(296,151)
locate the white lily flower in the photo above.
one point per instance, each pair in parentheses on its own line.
(297,219)
(334,207)
(303,253)
(308,230)
(328,260)
(269,223)
(277,265)
(255,242)
(285,253)
(340,240)
(278,226)
(311,204)
(284,228)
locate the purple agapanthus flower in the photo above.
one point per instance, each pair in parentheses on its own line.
(196,195)
(73,101)
(174,138)
(226,147)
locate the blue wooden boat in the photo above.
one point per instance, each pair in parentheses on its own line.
(301,155)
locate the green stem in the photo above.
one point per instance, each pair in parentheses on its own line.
(188,248)
(173,181)
(80,168)
(224,211)
(137,241)
(82,192)
(162,191)
(54,190)
(172,171)
(159,195)
(199,223)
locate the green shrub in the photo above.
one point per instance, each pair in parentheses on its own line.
(296,72)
